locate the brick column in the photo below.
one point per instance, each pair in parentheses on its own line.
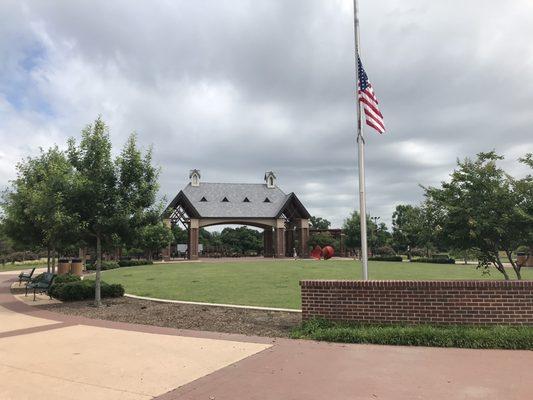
(289,242)
(166,250)
(267,242)
(303,238)
(279,239)
(194,234)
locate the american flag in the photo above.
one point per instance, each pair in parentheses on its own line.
(373,116)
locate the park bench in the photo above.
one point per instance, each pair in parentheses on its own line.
(41,284)
(26,276)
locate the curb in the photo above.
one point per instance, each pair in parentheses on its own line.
(196,303)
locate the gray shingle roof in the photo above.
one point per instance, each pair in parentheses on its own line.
(236,207)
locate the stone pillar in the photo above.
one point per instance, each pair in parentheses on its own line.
(279,239)
(289,241)
(267,242)
(166,249)
(303,238)
(194,234)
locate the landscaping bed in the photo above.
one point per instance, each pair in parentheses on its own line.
(185,316)
(490,337)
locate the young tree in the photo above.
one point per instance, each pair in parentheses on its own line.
(481,208)
(36,209)
(97,199)
(112,198)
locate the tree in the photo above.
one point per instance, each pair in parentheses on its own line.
(113,198)
(483,208)
(37,207)
(6,245)
(319,223)
(323,239)
(352,228)
(181,235)
(524,192)
(154,237)
(406,227)
(97,199)
(241,240)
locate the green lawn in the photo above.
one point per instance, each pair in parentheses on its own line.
(269,283)
(18,267)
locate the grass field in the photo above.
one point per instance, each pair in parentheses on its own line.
(269,283)
(21,266)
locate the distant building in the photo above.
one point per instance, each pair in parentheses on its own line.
(283,218)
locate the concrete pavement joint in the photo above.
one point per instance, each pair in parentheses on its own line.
(26,331)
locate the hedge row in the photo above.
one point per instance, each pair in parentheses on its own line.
(114,264)
(105,265)
(72,289)
(493,337)
(134,263)
(386,258)
(434,260)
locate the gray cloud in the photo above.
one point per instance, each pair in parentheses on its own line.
(238,87)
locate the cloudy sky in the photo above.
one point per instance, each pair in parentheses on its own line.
(235,88)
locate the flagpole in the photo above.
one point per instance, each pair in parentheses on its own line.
(361,151)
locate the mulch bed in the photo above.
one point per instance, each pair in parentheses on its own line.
(185,316)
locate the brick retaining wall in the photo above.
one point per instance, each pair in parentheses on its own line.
(416,302)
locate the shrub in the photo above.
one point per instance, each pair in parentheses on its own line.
(440,255)
(489,337)
(134,263)
(66,278)
(385,251)
(105,265)
(434,260)
(82,290)
(385,258)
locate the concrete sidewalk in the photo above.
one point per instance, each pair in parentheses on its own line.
(51,359)
(80,358)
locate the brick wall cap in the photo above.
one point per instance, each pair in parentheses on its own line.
(413,283)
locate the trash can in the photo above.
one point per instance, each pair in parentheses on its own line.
(76,266)
(63,266)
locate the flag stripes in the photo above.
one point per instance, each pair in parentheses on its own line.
(368,99)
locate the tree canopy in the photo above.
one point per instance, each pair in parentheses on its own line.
(483,208)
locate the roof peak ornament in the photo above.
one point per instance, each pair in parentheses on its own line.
(270,179)
(194,176)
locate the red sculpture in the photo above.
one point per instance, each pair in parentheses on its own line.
(327,252)
(317,252)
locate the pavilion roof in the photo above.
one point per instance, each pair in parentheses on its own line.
(235,200)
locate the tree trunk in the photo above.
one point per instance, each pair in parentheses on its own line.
(48,259)
(500,267)
(53,260)
(516,267)
(97,295)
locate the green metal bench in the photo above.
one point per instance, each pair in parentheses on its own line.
(25,276)
(41,284)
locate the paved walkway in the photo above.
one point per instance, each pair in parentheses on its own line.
(79,358)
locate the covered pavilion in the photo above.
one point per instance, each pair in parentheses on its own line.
(283,218)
